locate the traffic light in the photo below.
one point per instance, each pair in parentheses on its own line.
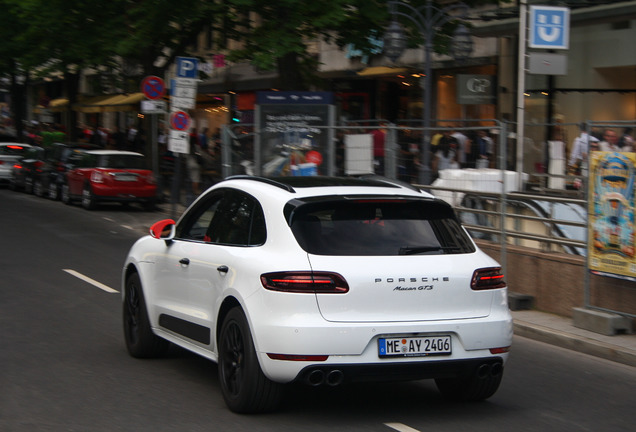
(236,116)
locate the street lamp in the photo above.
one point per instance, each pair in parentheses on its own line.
(428,19)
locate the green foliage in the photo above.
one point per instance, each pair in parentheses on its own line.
(68,35)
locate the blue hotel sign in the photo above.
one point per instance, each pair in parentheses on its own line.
(549,27)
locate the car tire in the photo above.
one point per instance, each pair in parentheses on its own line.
(28,185)
(141,342)
(244,386)
(66,195)
(53,192)
(38,189)
(88,198)
(479,386)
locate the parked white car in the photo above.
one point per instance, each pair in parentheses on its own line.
(319,280)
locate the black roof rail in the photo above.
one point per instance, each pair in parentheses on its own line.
(269,181)
(389,181)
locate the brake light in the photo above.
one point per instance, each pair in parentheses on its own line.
(97,177)
(487,278)
(15,147)
(15,166)
(305,282)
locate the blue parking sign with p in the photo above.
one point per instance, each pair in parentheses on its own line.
(549,27)
(187,67)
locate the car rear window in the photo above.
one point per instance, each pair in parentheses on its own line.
(122,161)
(379,227)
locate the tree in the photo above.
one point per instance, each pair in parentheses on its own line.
(156,31)
(65,37)
(11,51)
(276,35)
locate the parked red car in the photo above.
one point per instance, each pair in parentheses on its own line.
(110,175)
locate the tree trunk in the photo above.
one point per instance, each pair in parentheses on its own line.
(71,81)
(18,102)
(289,73)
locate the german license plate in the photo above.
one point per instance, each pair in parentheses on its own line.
(414,346)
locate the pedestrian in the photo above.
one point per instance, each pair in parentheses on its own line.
(192,163)
(578,153)
(626,141)
(379,136)
(463,147)
(486,149)
(447,152)
(610,141)
(203,139)
(118,139)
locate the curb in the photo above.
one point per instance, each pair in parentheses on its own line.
(576,343)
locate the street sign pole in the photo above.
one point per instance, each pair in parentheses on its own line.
(183,96)
(154,88)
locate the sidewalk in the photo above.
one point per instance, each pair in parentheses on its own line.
(560,331)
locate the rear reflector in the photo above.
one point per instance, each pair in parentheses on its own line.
(305,282)
(501,350)
(295,357)
(487,278)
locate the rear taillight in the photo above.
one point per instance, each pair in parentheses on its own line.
(305,282)
(97,177)
(487,278)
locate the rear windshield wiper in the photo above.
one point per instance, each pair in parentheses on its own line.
(413,250)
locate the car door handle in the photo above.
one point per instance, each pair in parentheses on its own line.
(184,261)
(223,269)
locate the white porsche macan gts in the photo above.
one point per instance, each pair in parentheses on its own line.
(319,280)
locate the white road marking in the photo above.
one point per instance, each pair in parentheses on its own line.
(401,427)
(93,282)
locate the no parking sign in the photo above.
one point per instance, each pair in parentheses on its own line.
(153,87)
(179,125)
(180,120)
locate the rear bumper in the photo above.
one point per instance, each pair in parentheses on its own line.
(141,194)
(354,348)
(335,374)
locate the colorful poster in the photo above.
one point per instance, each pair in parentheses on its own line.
(611,210)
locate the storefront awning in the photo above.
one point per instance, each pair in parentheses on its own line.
(381,70)
(110,103)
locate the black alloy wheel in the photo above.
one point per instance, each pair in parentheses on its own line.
(88,198)
(141,342)
(245,388)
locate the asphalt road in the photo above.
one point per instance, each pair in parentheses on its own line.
(64,366)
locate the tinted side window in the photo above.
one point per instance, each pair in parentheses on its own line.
(88,161)
(227,217)
(239,221)
(379,227)
(197,224)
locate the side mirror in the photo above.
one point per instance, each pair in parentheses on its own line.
(163,230)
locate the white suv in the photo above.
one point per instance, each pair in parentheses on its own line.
(320,280)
